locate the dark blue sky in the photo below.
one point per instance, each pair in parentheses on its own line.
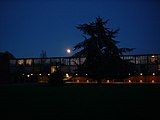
(27,27)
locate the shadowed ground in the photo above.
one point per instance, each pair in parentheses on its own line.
(77,101)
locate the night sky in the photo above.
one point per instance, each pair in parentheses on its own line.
(29,26)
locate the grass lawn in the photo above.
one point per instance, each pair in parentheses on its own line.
(76,101)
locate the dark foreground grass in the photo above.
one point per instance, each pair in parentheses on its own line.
(129,101)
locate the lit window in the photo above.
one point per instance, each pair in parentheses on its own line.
(159,67)
(20,62)
(53,69)
(37,61)
(55,61)
(74,61)
(153,59)
(82,60)
(46,61)
(29,62)
(12,62)
(138,60)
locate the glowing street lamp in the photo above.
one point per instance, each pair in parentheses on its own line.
(67,75)
(152,56)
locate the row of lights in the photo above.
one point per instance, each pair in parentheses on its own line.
(79,81)
(85,74)
(67,75)
(140,81)
(28,75)
(142,74)
(131,81)
(128,74)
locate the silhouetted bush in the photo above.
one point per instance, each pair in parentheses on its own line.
(4,67)
(56,78)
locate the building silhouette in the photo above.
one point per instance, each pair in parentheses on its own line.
(39,69)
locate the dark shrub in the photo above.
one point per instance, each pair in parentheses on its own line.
(56,78)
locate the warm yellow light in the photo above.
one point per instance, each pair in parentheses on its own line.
(53,69)
(67,75)
(40,74)
(20,62)
(29,62)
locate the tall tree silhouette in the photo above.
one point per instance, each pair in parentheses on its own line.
(100,50)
